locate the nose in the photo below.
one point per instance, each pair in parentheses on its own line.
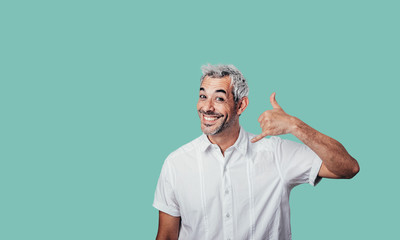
(209,106)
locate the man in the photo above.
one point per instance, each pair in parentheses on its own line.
(230,184)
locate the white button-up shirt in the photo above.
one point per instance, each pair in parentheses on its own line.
(242,195)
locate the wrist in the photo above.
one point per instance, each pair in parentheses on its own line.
(296,126)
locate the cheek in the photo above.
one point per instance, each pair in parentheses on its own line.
(231,112)
(198,105)
(225,110)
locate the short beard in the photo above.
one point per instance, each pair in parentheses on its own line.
(218,130)
(222,127)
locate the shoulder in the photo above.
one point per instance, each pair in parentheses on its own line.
(186,151)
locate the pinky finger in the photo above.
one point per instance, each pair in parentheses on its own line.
(259,137)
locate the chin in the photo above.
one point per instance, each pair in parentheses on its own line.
(211,131)
(207,130)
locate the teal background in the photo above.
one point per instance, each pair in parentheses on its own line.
(95,94)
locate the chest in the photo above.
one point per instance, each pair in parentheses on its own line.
(210,183)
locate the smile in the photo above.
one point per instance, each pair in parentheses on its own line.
(211,118)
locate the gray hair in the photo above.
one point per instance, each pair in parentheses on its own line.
(240,88)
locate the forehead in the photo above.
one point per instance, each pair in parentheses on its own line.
(212,84)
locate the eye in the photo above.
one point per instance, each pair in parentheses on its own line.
(202,96)
(220,99)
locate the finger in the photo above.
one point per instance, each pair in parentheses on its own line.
(273,101)
(260,118)
(259,137)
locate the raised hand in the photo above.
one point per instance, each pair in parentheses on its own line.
(275,121)
(336,161)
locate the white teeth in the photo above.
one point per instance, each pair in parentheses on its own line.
(209,119)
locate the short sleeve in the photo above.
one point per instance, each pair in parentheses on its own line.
(298,163)
(164,197)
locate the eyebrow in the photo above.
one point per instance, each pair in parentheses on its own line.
(219,90)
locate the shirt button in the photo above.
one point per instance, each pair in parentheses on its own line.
(228,215)
(227,191)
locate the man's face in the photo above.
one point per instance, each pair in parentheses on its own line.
(216,106)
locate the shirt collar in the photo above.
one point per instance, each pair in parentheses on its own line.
(240,144)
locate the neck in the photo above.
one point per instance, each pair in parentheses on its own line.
(226,138)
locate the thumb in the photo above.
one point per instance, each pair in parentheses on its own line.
(273,101)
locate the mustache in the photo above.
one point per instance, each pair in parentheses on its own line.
(211,113)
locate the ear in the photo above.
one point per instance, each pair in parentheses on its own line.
(242,105)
